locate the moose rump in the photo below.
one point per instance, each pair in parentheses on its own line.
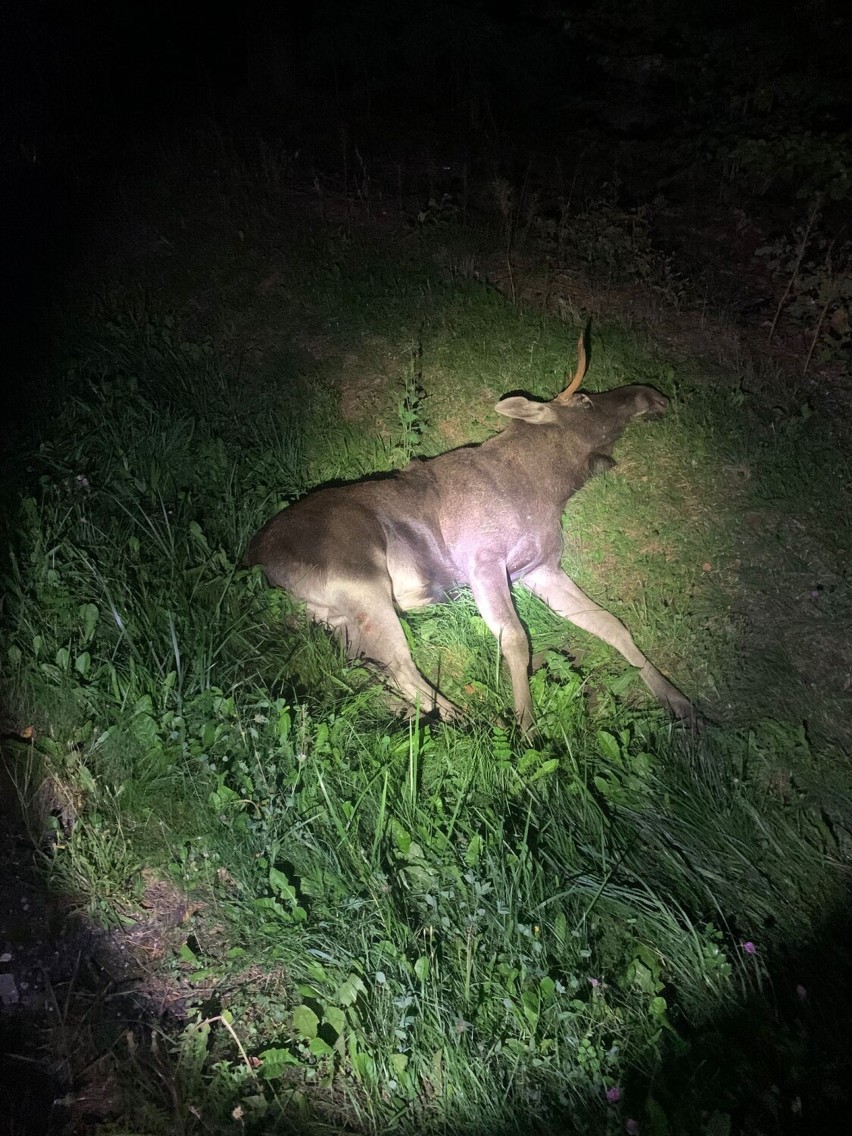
(482,516)
(354,558)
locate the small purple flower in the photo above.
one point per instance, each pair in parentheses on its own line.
(631,1126)
(613,1095)
(750,948)
(594,982)
(801,993)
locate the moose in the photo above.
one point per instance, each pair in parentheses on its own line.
(483,516)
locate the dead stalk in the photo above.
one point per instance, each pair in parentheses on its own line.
(825,307)
(803,244)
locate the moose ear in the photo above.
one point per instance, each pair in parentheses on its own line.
(516,406)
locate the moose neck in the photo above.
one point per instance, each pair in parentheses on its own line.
(548,462)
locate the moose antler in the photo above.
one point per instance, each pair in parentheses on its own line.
(579,374)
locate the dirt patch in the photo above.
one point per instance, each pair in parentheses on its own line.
(74,994)
(366,382)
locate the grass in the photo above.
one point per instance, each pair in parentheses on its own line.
(401,927)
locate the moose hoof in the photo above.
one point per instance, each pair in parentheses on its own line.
(682,709)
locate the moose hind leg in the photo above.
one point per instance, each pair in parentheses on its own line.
(370,628)
(561,594)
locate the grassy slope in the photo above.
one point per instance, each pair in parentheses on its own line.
(428,925)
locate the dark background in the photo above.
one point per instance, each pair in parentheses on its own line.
(645,94)
(643,97)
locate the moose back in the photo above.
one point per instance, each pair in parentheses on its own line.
(483,516)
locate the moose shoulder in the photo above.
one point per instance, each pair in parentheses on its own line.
(483,516)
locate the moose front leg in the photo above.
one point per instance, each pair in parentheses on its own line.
(561,594)
(490,586)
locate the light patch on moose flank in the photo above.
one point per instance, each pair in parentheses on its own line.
(409,587)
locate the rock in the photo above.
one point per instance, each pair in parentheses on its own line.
(8,991)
